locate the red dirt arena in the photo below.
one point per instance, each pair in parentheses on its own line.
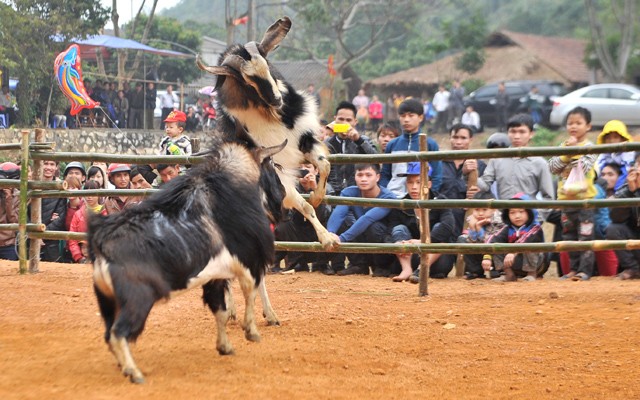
(341,338)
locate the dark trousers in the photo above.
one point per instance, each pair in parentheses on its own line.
(439,269)
(8,253)
(501,119)
(627,259)
(148,117)
(441,121)
(165,113)
(135,118)
(294,230)
(579,225)
(377,232)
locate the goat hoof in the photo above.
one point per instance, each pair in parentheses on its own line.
(252,336)
(225,350)
(134,375)
(273,323)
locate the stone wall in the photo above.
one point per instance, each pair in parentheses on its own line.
(95,140)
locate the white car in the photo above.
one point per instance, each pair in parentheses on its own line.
(606,101)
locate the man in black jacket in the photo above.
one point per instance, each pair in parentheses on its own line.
(53,214)
(346,142)
(405,228)
(625,224)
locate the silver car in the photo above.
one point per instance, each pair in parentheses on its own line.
(606,101)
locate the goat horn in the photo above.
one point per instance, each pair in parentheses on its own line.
(252,48)
(271,151)
(215,70)
(234,61)
(274,35)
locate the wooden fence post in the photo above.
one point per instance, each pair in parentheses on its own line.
(425,230)
(36,209)
(22,213)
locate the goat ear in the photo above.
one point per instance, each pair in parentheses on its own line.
(274,35)
(215,70)
(271,151)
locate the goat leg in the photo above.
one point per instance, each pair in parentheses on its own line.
(267,310)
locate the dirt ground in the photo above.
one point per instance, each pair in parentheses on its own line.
(341,338)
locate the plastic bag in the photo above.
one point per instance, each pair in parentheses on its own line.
(576,182)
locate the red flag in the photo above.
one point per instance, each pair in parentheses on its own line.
(242,20)
(330,68)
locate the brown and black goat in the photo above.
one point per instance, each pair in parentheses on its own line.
(253,94)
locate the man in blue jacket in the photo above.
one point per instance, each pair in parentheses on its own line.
(363,224)
(411,115)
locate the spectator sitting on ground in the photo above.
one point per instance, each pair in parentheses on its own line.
(296,228)
(482,223)
(405,228)
(90,205)
(411,117)
(577,224)
(521,226)
(362,224)
(614,132)
(176,142)
(625,224)
(455,173)
(528,175)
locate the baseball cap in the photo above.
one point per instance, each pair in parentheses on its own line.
(176,116)
(413,168)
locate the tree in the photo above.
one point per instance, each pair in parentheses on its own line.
(32,43)
(351,30)
(613,59)
(470,36)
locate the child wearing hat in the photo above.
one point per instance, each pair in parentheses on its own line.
(176,142)
(614,132)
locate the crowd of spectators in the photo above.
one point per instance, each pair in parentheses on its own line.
(516,178)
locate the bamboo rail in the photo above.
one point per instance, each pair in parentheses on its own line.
(46,185)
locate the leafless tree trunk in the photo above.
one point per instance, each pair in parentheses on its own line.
(614,68)
(123,55)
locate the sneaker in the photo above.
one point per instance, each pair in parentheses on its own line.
(326,270)
(275,269)
(352,270)
(297,268)
(415,277)
(529,278)
(381,273)
(629,273)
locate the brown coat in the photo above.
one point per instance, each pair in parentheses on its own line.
(9,215)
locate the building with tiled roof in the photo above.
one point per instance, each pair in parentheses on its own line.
(508,56)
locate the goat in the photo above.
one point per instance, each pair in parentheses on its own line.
(202,229)
(252,93)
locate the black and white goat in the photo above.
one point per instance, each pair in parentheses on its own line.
(252,93)
(202,229)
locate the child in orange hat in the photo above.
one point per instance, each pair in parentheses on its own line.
(176,142)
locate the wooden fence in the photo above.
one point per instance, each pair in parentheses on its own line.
(31,191)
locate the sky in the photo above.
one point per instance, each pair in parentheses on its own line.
(128,8)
